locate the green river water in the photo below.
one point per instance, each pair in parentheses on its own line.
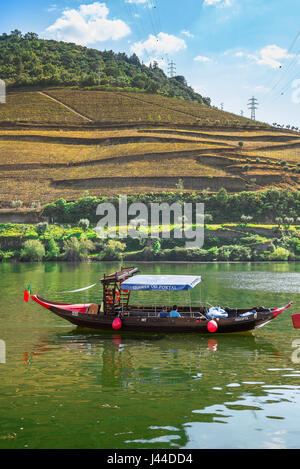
(67,388)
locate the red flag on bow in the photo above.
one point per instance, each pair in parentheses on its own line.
(27,293)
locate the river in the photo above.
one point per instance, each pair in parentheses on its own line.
(67,388)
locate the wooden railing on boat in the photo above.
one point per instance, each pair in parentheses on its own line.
(154,311)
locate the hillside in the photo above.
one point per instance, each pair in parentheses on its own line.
(63,142)
(27,60)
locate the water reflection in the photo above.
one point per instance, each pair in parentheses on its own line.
(75,388)
(143,361)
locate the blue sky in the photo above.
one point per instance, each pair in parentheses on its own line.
(228,50)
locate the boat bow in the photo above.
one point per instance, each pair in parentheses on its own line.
(278,311)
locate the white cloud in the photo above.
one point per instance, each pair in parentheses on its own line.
(261,89)
(161,44)
(160,62)
(271,55)
(136,1)
(87,25)
(201,58)
(52,8)
(187,33)
(226,3)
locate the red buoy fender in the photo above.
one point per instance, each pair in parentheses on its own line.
(117,324)
(212,326)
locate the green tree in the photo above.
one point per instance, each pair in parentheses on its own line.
(84,223)
(75,249)
(280,254)
(246,219)
(41,228)
(156,247)
(179,185)
(113,250)
(222,196)
(53,250)
(33,250)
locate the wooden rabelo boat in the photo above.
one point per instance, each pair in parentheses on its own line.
(117,312)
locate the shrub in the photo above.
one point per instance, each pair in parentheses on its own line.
(222,196)
(208,218)
(33,250)
(280,254)
(246,219)
(84,223)
(156,247)
(40,228)
(113,250)
(179,185)
(75,249)
(234,253)
(53,250)
(17,204)
(35,205)
(4,255)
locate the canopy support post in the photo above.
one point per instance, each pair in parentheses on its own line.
(200,296)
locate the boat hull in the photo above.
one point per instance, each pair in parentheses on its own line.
(139,321)
(166,325)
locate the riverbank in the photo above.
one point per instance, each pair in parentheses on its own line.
(222,242)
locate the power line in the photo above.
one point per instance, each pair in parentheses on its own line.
(287,70)
(284,89)
(152,22)
(132,12)
(156,8)
(283,70)
(144,26)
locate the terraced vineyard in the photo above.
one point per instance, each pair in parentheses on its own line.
(61,143)
(136,107)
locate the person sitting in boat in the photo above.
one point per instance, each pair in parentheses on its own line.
(174,313)
(163,313)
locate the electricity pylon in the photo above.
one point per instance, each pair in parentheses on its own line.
(172,69)
(252,104)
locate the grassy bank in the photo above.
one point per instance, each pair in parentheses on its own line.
(234,242)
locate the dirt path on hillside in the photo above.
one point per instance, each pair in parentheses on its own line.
(64,105)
